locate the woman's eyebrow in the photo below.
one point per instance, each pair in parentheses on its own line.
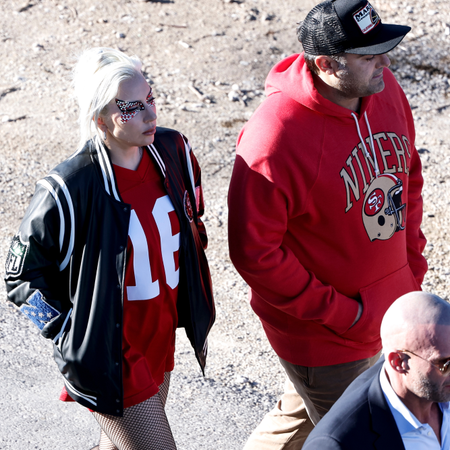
(134,101)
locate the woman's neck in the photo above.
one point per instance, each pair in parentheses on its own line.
(128,159)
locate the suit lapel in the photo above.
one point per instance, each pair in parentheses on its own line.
(383,422)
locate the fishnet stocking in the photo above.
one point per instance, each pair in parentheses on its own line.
(143,426)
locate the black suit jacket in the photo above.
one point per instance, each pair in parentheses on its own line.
(361,419)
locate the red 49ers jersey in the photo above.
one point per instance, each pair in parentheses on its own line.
(151,282)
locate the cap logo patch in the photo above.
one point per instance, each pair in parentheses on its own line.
(366,18)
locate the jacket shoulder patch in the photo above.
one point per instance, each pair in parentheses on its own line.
(188,207)
(16,256)
(38,310)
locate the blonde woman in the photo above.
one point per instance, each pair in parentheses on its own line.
(109,258)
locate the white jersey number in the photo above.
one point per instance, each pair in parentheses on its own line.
(145,288)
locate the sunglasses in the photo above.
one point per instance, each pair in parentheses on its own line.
(443,367)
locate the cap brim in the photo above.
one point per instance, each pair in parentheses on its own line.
(387,39)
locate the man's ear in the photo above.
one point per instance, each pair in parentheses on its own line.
(397,362)
(326,64)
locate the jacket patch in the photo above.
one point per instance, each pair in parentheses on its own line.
(188,207)
(16,256)
(38,310)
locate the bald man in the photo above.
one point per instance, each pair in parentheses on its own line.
(403,401)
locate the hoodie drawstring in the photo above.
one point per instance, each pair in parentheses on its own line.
(372,147)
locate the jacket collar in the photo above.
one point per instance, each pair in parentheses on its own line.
(102,158)
(383,422)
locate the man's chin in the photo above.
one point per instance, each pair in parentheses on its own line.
(378,87)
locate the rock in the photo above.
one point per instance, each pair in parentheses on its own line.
(233,96)
(37,47)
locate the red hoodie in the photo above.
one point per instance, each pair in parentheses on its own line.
(313,228)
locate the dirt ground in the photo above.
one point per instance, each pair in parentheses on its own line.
(207,62)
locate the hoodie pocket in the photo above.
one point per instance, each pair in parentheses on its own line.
(376,299)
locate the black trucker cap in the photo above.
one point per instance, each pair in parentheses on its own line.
(348,26)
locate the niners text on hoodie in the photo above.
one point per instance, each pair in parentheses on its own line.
(325,209)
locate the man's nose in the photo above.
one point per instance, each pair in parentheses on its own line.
(383,60)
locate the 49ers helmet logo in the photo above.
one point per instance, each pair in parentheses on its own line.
(187,207)
(383,211)
(374,202)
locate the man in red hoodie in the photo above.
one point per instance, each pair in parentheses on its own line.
(325,209)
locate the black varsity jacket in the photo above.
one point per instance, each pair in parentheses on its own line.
(66,266)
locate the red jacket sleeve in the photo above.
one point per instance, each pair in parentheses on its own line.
(258,220)
(415,238)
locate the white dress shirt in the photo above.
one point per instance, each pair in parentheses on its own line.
(415,435)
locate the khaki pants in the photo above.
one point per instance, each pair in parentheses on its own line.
(309,392)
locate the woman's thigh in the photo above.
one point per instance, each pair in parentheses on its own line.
(143,426)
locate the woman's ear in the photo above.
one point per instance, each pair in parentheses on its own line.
(101,123)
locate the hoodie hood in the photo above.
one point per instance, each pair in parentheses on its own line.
(292,77)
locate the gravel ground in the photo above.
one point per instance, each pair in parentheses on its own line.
(207,61)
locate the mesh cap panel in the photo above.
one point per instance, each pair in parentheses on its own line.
(321,32)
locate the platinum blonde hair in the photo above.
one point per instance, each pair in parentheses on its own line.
(96,80)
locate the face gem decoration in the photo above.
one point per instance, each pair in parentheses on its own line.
(150,99)
(130,109)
